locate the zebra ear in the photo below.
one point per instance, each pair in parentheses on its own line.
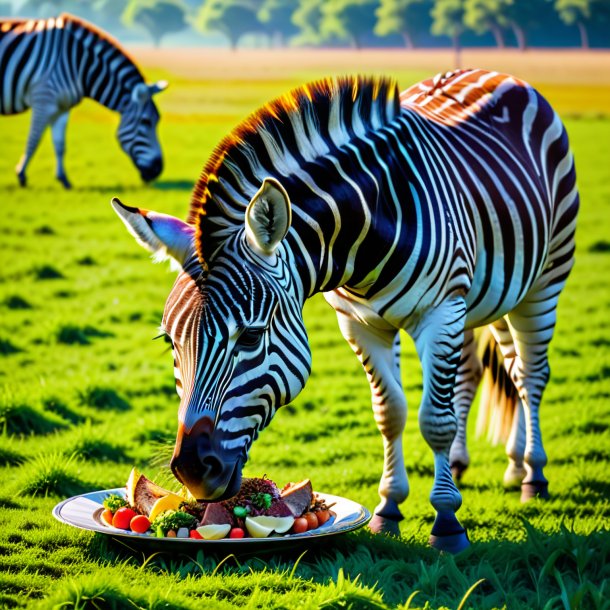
(268,217)
(140,94)
(165,236)
(160,85)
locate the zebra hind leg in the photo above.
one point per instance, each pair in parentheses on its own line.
(38,124)
(439,338)
(379,350)
(466,383)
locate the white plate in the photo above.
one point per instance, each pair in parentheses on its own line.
(85,511)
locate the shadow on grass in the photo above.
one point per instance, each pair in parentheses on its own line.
(174,185)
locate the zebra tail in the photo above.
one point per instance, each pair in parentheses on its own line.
(499,398)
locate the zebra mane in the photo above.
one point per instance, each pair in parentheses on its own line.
(66,19)
(303,125)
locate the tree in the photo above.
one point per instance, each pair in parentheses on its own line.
(582,13)
(307,18)
(448,20)
(487,15)
(233,18)
(348,19)
(157,17)
(276,16)
(522,15)
(404,17)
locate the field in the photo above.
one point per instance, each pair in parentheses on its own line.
(85,393)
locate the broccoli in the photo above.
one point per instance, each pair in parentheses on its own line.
(113,502)
(172,520)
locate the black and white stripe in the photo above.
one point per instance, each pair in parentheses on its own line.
(49,65)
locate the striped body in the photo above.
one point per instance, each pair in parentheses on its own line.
(449,207)
(49,65)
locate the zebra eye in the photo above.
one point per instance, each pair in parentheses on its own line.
(146,122)
(250,338)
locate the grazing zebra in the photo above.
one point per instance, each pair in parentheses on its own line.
(449,207)
(49,65)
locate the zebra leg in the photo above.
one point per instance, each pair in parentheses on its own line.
(378,350)
(466,383)
(531,325)
(439,338)
(40,120)
(58,131)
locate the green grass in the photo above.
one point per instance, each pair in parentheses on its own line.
(85,393)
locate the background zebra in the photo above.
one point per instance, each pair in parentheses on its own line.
(49,65)
(449,207)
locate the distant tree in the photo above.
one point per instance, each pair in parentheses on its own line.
(307,18)
(582,14)
(348,19)
(487,16)
(233,18)
(522,15)
(404,17)
(276,17)
(157,17)
(448,20)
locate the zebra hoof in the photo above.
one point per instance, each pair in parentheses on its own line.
(458,469)
(453,543)
(534,489)
(447,534)
(65,182)
(383,525)
(22,180)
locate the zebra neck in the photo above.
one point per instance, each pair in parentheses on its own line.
(106,74)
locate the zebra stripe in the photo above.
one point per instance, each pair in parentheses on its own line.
(448,207)
(49,65)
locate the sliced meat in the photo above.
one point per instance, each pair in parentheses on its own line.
(279,508)
(216,514)
(298,497)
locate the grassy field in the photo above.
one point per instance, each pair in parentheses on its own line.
(85,394)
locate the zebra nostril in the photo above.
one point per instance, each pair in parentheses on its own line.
(212,466)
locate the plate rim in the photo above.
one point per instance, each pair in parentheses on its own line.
(364,516)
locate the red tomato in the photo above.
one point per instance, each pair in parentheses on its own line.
(237,532)
(300,525)
(123,517)
(195,535)
(312,520)
(107,517)
(323,516)
(139,524)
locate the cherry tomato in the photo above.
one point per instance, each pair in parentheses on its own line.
(107,517)
(139,524)
(237,532)
(123,517)
(323,516)
(312,520)
(300,525)
(195,535)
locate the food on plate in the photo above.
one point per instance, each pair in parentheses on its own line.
(258,510)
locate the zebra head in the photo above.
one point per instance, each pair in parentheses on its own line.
(137,132)
(239,342)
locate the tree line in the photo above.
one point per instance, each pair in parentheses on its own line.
(357,23)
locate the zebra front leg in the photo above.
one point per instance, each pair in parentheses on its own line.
(467,381)
(38,124)
(379,351)
(58,131)
(439,338)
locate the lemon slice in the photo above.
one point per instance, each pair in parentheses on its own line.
(131,486)
(170,502)
(214,531)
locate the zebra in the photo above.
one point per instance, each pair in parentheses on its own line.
(50,65)
(448,207)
